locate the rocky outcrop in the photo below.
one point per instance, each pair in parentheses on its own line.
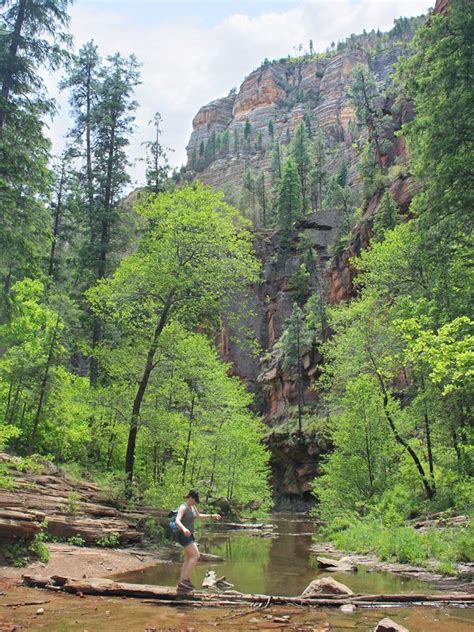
(295,462)
(46,499)
(341,273)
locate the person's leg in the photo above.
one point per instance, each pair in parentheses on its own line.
(191,557)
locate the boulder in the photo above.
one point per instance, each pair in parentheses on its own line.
(326,586)
(345,564)
(387,625)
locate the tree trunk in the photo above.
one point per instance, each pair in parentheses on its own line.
(43,387)
(57,219)
(7,78)
(142,386)
(429,490)
(97,332)
(188,442)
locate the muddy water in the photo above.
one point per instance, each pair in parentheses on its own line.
(272,563)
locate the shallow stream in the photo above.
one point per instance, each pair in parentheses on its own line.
(280,562)
(277,562)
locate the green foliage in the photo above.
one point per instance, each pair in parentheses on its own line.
(300,152)
(109,541)
(387,216)
(76,540)
(409,546)
(398,370)
(20,552)
(290,201)
(73,505)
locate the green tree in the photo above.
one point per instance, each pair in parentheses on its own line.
(271,130)
(319,173)
(247,131)
(290,201)
(387,216)
(300,151)
(195,246)
(366,96)
(158,168)
(32,39)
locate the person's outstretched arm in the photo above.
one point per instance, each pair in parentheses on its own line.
(204,516)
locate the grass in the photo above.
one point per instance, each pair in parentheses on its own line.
(406,545)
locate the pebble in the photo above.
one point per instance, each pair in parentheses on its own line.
(40,611)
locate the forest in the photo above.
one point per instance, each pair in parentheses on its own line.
(112,299)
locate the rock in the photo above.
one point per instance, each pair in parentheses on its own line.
(208,557)
(326,586)
(40,611)
(345,564)
(348,607)
(387,625)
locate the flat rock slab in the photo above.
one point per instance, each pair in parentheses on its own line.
(343,565)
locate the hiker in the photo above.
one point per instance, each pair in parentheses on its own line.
(187,513)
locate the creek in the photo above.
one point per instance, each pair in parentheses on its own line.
(281,563)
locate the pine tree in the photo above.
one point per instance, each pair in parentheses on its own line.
(300,151)
(83,83)
(158,168)
(236,141)
(247,133)
(365,94)
(32,38)
(319,173)
(290,201)
(386,217)
(271,130)
(261,192)
(114,116)
(225,144)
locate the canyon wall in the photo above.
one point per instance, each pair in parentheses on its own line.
(286,92)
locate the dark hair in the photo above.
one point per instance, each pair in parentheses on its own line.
(193,494)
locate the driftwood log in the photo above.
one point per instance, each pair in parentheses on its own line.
(163,594)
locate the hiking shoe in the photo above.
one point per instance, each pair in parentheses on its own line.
(188,582)
(183,589)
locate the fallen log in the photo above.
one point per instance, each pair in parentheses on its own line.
(168,595)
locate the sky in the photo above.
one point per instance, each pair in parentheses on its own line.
(195,51)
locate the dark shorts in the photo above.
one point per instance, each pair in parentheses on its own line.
(184,540)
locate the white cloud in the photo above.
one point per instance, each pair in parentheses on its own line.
(186,62)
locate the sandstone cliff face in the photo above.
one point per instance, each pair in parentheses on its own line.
(284,92)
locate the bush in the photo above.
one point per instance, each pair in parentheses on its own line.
(109,541)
